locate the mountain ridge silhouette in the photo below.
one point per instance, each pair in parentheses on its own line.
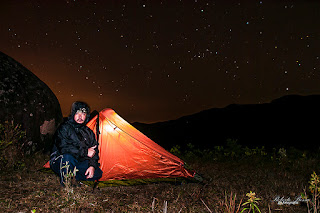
(289,121)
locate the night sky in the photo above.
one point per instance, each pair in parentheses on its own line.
(159,60)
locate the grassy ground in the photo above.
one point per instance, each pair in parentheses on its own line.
(28,190)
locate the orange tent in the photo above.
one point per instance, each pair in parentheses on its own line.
(126,153)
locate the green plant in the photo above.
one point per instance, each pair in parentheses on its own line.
(233,149)
(191,152)
(68,176)
(176,150)
(10,134)
(10,148)
(251,202)
(282,153)
(314,188)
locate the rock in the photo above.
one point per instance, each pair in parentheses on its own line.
(28,101)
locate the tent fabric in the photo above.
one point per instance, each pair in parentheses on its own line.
(126,153)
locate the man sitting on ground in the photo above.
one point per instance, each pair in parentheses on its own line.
(76,145)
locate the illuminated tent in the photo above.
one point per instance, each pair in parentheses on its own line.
(128,157)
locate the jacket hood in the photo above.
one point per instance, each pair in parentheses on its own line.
(78,105)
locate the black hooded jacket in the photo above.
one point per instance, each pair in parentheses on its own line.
(75,139)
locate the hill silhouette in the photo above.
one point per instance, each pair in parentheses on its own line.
(291,120)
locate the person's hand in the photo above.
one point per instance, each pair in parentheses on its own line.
(91,151)
(90,172)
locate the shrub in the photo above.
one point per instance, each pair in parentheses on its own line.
(233,149)
(176,150)
(10,146)
(314,187)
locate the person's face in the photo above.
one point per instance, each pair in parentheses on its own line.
(80,117)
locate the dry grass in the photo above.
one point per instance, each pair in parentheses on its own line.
(28,189)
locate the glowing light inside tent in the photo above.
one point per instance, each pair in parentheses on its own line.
(109,127)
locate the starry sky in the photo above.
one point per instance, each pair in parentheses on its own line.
(159,60)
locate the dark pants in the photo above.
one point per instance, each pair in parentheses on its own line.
(57,165)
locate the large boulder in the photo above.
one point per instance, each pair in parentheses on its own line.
(26,100)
